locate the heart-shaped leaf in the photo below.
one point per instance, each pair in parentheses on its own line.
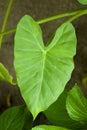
(76,104)
(82,1)
(42,72)
(14,118)
(49,127)
(5,76)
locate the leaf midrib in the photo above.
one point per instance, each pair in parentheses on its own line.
(43,66)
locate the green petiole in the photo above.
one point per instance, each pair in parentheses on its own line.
(5,20)
(74,14)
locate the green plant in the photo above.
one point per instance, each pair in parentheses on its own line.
(42,72)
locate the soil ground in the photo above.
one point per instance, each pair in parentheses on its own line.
(39,9)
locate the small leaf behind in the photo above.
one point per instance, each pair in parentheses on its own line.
(76,105)
(82,1)
(5,76)
(14,118)
(45,127)
(57,114)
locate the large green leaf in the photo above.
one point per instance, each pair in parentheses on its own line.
(5,76)
(57,114)
(42,72)
(76,104)
(82,1)
(49,127)
(14,118)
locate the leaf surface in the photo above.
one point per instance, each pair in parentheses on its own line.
(49,127)
(58,115)
(14,118)
(82,1)
(76,105)
(42,72)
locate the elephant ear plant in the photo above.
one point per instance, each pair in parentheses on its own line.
(42,72)
(46,68)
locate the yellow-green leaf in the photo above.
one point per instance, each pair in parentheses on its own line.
(42,72)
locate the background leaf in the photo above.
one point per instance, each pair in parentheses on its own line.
(14,118)
(57,114)
(76,105)
(42,72)
(28,121)
(45,127)
(5,76)
(82,1)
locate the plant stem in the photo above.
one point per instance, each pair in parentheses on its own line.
(74,14)
(80,13)
(8,31)
(57,17)
(5,20)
